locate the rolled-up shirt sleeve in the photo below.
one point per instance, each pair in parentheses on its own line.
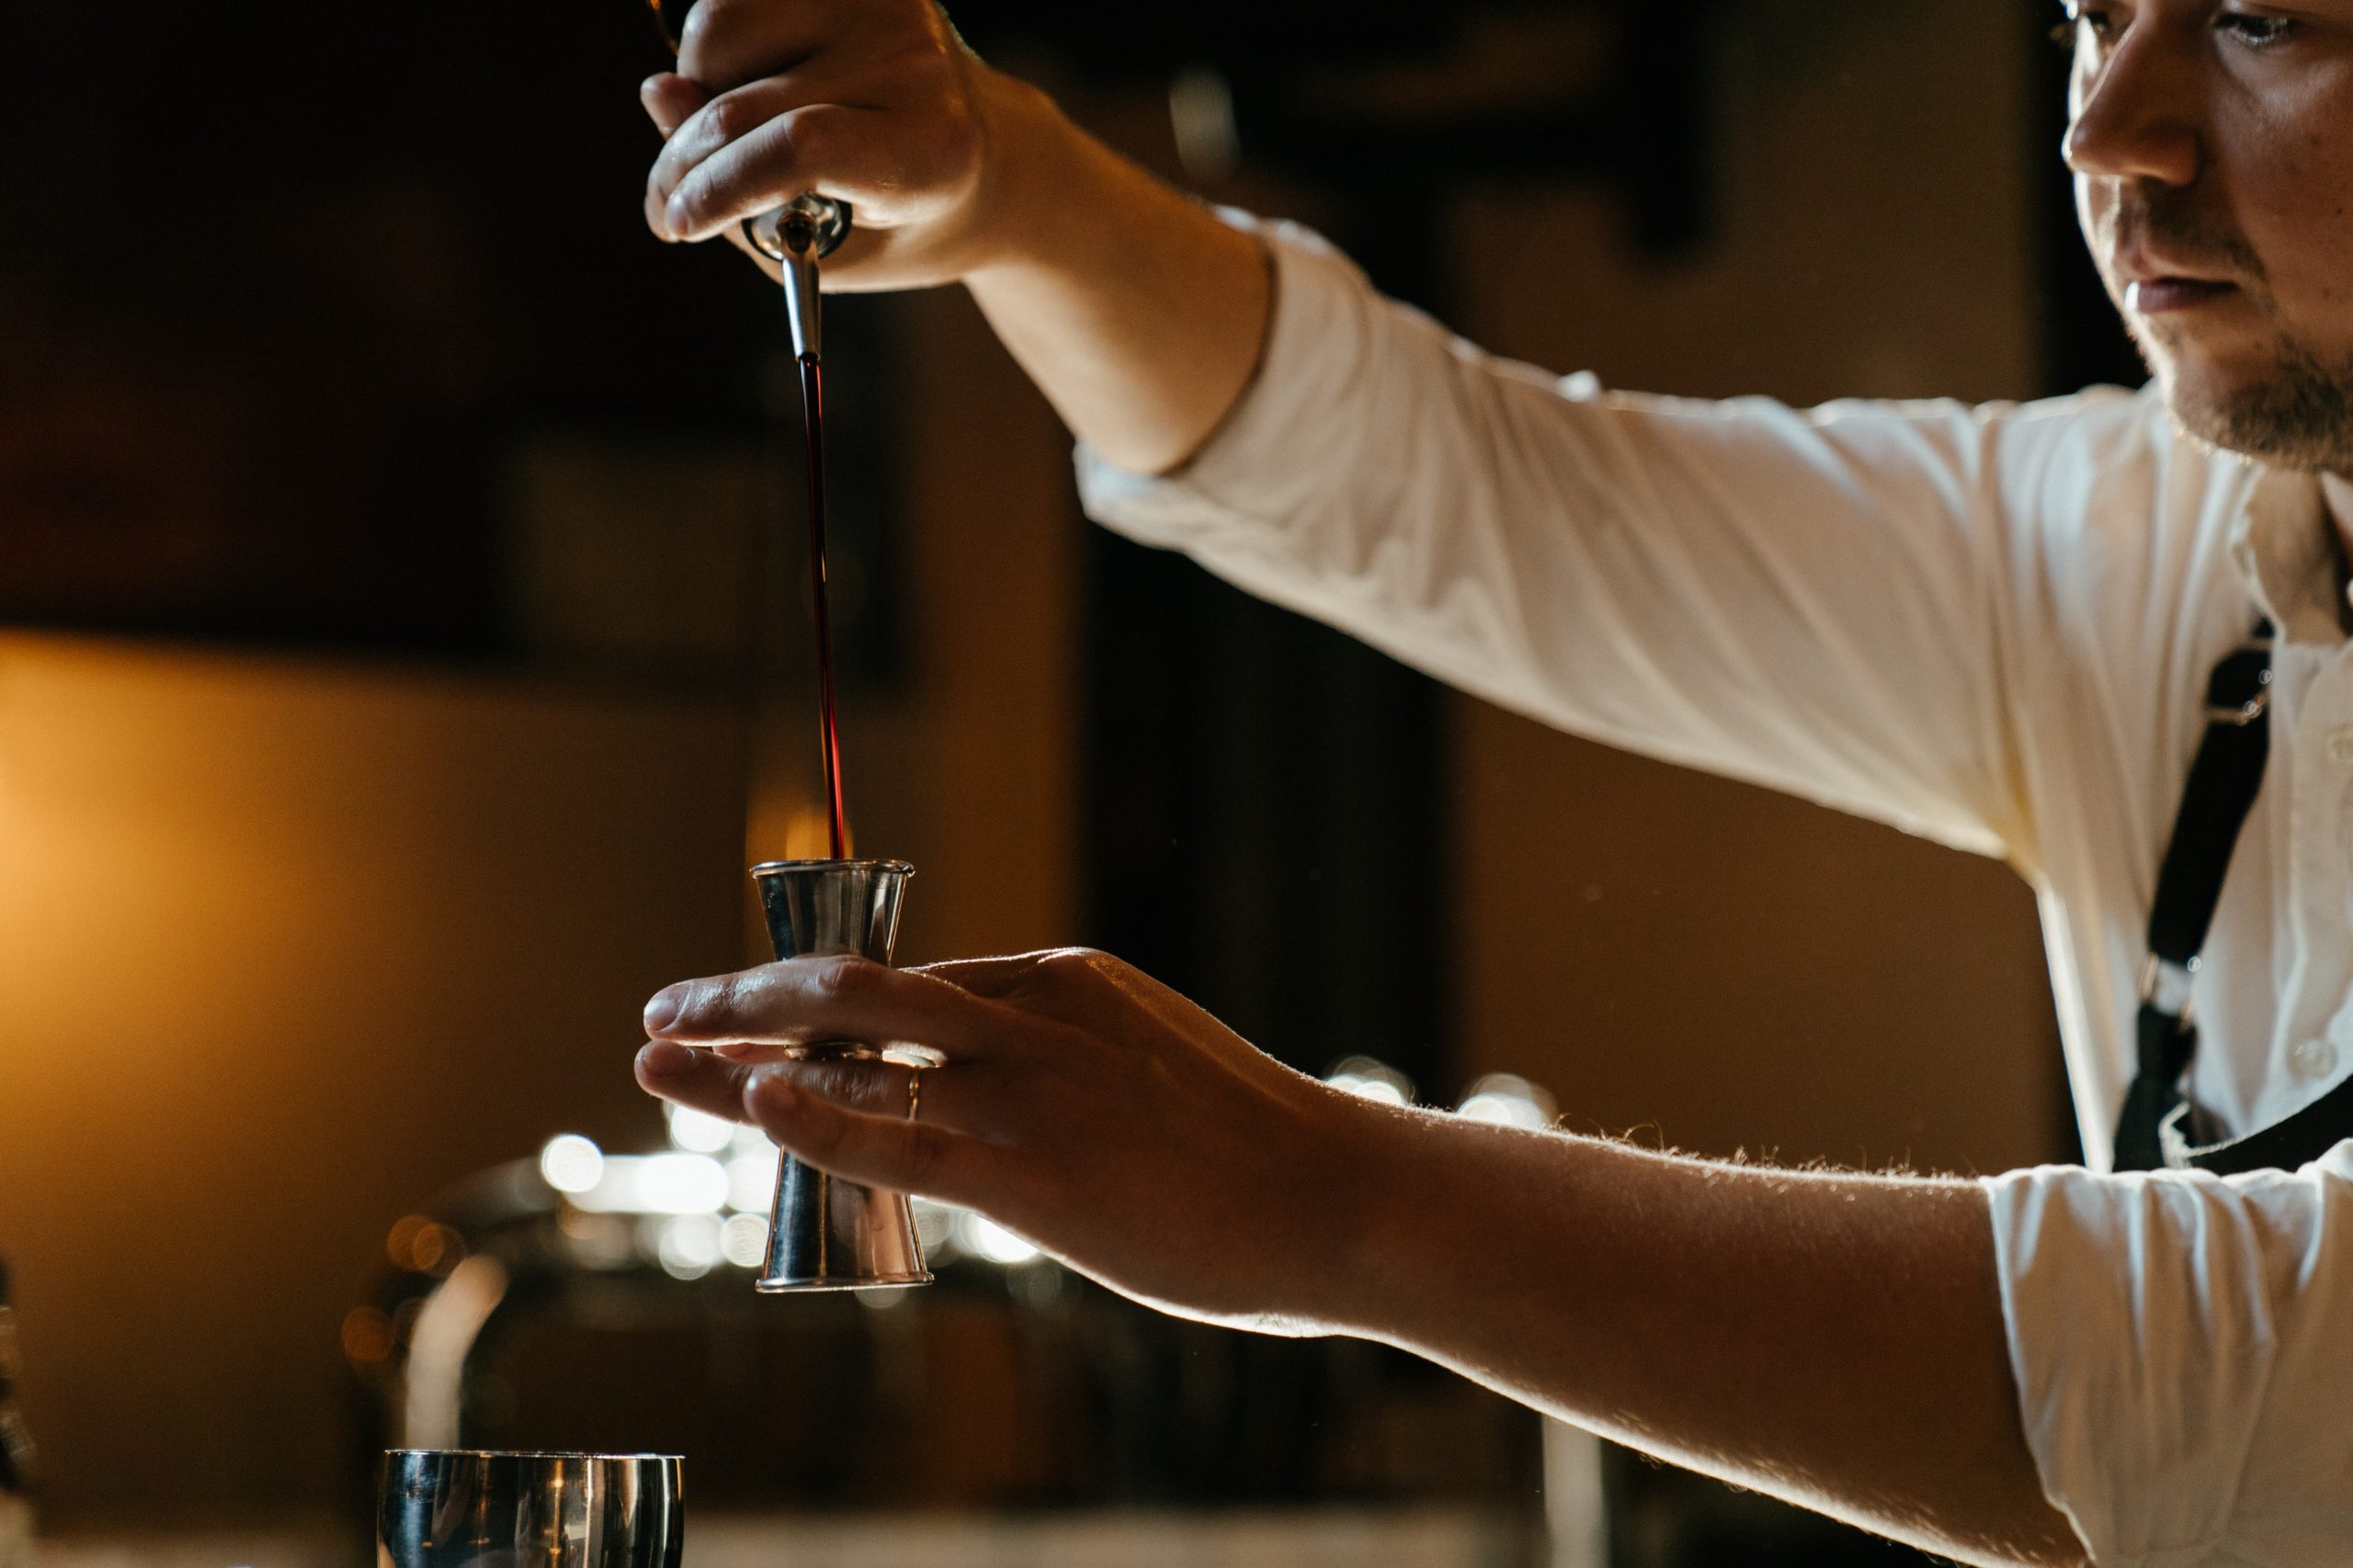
(1821,601)
(2183,1345)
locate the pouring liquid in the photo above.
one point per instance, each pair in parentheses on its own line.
(812,417)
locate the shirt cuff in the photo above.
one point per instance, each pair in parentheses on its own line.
(1294,426)
(2153,1350)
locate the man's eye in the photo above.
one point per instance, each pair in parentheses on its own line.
(2258,33)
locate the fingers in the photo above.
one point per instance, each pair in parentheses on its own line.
(968,1100)
(761,166)
(918,1156)
(695,1079)
(807,1000)
(715,1085)
(704,132)
(892,133)
(728,43)
(670,99)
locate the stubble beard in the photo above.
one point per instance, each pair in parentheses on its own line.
(2297,415)
(2297,412)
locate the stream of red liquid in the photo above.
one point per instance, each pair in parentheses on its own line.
(813,414)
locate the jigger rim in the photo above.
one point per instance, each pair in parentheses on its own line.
(565,1454)
(775,867)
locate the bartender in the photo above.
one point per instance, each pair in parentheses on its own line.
(2103,637)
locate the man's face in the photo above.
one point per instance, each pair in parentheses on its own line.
(2212,145)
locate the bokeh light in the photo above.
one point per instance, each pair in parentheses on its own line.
(1371,1080)
(571,1163)
(692,1130)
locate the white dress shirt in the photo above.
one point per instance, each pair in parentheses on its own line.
(1992,626)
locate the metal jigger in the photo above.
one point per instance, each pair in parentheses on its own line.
(825,1233)
(449,1508)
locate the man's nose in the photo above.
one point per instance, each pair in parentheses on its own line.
(2136,111)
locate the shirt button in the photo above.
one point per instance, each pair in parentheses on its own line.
(2340,746)
(2313,1061)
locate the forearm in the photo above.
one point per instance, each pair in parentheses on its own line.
(1836,1340)
(1138,314)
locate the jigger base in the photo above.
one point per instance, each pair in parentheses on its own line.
(864,1282)
(830,1234)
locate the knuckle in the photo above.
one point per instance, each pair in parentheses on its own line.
(851,1084)
(1063,970)
(912,56)
(811,135)
(1091,965)
(727,119)
(841,979)
(724,998)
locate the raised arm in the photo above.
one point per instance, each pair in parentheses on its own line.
(1836,1340)
(1134,308)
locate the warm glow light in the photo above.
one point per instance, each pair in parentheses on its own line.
(984,1237)
(571,1163)
(400,1242)
(808,832)
(436,1250)
(691,1130)
(366,1336)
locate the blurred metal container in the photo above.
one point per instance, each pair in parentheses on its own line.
(452,1509)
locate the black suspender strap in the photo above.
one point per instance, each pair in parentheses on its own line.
(2224,781)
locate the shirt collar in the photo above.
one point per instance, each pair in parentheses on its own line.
(2282,548)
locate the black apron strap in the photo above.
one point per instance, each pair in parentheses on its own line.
(2285,1145)
(2224,779)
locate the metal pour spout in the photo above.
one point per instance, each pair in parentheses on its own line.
(796,237)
